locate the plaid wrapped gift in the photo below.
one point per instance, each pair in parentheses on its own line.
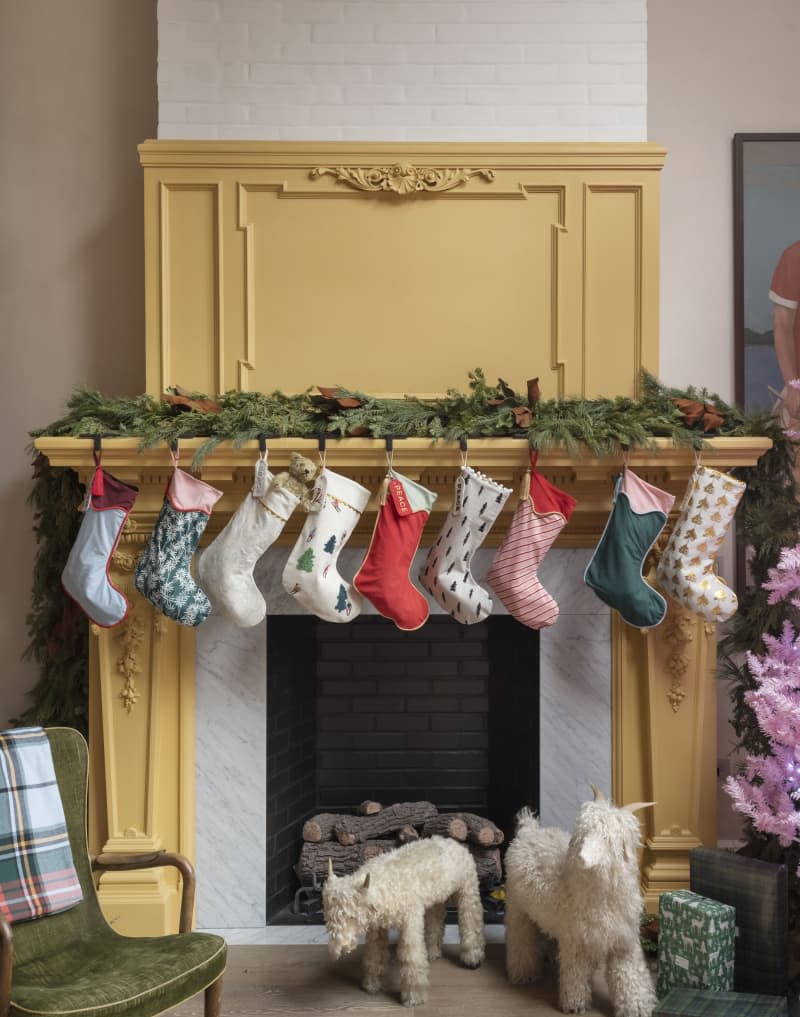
(683,1002)
(759,893)
(37,874)
(695,942)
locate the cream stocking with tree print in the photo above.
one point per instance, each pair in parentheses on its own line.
(311,575)
(687,569)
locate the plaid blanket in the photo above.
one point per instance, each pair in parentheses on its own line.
(37,874)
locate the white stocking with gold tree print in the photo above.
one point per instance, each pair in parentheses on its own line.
(687,569)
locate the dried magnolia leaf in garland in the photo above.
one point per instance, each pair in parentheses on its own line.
(704,413)
(522,416)
(346,402)
(184,401)
(343,400)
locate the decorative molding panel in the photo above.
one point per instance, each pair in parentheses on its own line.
(400,267)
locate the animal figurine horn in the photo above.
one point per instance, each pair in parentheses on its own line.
(636,806)
(583,891)
(331,874)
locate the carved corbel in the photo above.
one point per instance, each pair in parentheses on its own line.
(143,695)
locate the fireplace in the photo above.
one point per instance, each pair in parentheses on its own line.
(523,259)
(444,714)
(298,716)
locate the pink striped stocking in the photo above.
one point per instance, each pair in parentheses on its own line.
(538,520)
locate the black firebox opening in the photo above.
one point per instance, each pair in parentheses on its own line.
(448,713)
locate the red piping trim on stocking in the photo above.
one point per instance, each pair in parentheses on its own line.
(114,587)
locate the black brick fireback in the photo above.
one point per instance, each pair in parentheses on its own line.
(448,713)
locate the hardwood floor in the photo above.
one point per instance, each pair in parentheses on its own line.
(277,980)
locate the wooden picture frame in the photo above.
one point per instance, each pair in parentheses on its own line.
(766,220)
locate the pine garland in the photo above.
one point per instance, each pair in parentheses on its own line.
(601,426)
(57,628)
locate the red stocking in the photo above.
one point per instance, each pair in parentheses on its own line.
(384,574)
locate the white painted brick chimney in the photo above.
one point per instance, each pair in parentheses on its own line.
(381,70)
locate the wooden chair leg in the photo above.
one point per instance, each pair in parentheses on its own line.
(213,998)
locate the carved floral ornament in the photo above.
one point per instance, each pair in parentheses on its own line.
(402,179)
(678,631)
(128,664)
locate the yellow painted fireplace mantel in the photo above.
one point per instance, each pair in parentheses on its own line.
(391,268)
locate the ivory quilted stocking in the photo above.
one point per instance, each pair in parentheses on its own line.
(383,577)
(85,576)
(615,572)
(687,569)
(225,568)
(163,573)
(310,574)
(446,574)
(537,521)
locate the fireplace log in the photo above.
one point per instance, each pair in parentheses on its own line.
(446,824)
(481,831)
(320,827)
(369,808)
(314,858)
(487,862)
(355,829)
(407,834)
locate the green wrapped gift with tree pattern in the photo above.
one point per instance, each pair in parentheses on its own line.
(695,942)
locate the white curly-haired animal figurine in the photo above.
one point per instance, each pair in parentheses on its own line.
(583,891)
(406,889)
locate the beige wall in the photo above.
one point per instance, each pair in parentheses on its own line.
(77,94)
(715,68)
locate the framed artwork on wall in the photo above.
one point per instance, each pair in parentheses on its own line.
(766,190)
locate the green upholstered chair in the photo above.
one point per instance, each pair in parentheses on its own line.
(74,963)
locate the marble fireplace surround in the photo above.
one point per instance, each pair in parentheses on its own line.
(575,726)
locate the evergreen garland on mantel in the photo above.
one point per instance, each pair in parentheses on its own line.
(601,427)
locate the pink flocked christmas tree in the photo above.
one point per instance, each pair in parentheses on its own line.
(768,791)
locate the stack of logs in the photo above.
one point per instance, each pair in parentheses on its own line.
(349,840)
